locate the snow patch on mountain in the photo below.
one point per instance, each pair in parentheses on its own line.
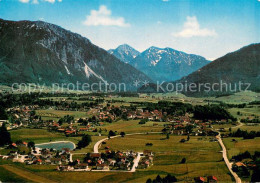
(67,70)
(89,72)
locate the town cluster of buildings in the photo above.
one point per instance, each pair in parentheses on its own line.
(21,116)
(146,160)
(108,161)
(38,156)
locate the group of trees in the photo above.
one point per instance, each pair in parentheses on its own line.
(3,115)
(84,142)
(246,155)
(168,179)
(250,121)
(255,177)
(111,133)
(208,112)
(5,137)
(242,156)
(143,121)
(66,119)
(256,173)
(212,112)
(245,134)
(173,108)
(12,100)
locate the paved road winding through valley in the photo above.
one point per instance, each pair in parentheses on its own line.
(224,153)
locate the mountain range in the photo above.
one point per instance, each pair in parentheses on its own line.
(125,53)
(241,66)
(234,72)
(44,53)
(160,64)
(40,52)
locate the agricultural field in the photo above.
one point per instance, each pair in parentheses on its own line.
(132,126)
(57,114)
(249,127)
(241,145)
(8,176)
(199,152)
(36,135)
(203,158)
(238,98)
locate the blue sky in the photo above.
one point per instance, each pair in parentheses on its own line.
(210,28)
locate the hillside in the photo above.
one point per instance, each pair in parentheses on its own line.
(39,52)
(242,66)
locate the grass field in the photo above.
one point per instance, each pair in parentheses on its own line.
(7,176)
(249,127)
(234,148)
(132,126)
(245,112)
(36,135)
(57,114)
(203,159)
(40,136)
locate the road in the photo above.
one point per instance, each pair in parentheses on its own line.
(224,153)
(136,161)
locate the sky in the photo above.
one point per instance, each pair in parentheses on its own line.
(210,28)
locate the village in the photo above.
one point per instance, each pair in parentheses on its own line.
(185,124)
(108,161)
(71,120)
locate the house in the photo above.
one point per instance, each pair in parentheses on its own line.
(111,162)
(125,166)
(239,164)
(56,161)
(65,168)
(199,180)
(95,155)
(65,151)
(19,158)
(13,145)
(81,167)
(47,161)
(212,179)
(148,153)
(37,162)
(102,167)
(28,161)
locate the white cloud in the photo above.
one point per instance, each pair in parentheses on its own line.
(52,1)
(103,17)
(192,28)
(165,0)
(37,1)
(24,1)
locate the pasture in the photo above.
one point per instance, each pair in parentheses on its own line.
(241,145)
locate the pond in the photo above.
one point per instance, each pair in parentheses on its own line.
(57,145)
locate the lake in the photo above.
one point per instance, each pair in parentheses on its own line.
(57,145)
